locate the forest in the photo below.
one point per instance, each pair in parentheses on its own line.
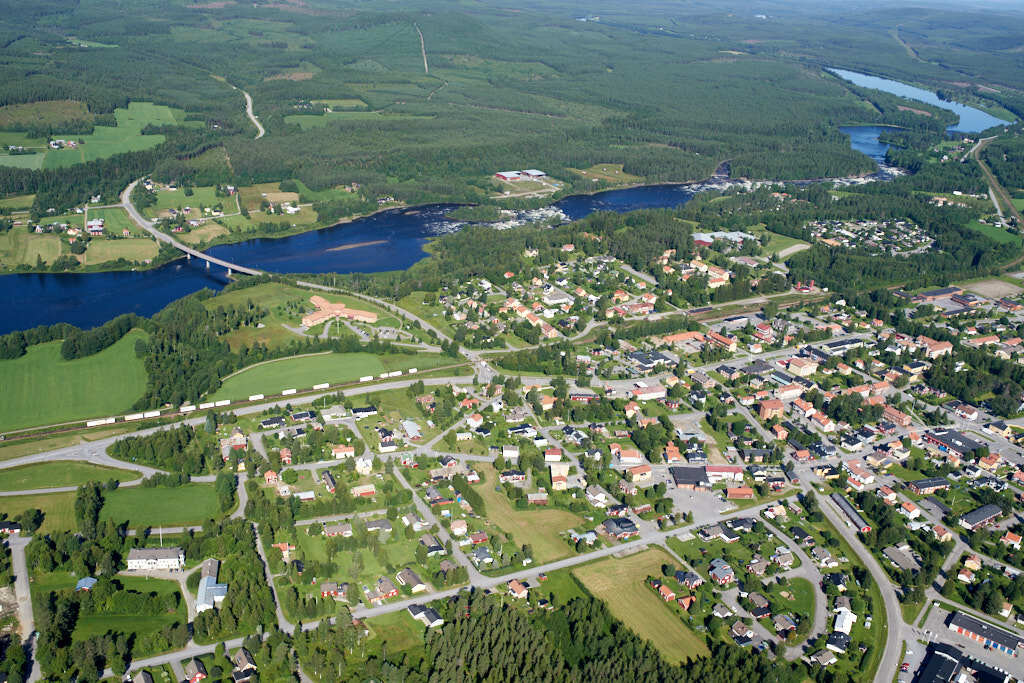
(342,92)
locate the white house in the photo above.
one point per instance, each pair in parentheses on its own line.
(149,559)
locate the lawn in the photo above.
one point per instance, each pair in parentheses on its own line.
(106,141)
(621,584)
(42,388)
(18,246)
(135,250)
(58,509)
(540,528)
(303,372)
(181,505)
(52,474)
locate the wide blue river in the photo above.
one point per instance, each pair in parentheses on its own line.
(90,299)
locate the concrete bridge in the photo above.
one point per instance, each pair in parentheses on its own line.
(148,226)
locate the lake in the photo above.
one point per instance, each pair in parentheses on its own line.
(972,120)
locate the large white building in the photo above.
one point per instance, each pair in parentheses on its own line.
(143,559)
(210,593)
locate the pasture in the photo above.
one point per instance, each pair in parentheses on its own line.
(43,388)
(621,584)
(18,246)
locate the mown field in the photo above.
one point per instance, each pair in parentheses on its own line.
(60,473)
(621,584)
(132,249)
(539,527)
(993,231)
(58,509)
(303,373)
(18,246)
(181,505)
(42,388)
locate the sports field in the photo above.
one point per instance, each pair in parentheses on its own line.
(303,372)
(621,584)
(42,388)
(46,475)
(539,527)
(180,505)
(58,509)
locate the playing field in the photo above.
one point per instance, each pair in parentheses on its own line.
(621,584)
(18,246)
(46,475)
(303,372)
(58,509)
(539,527)
(180,505)
(106,141)
(42,388)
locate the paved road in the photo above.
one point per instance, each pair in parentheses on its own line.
(17,545)
(148,226)
(893,616)
(807,570)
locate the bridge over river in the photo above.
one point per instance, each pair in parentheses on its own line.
(150,227)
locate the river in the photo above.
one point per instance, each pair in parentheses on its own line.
(90,299)
(972,120)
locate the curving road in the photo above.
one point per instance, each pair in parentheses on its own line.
(251,115)
(148,226)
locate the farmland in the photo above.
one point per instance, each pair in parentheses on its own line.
(304,372)
(621,584)
(20,247)
(126,136)
(52,474)
(133,250)
(42,388)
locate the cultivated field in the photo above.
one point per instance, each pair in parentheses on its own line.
(106,141)
(42,388)
(18,246)
(304,372)
(621,584)
(137,249)
(52,474)
(539,527)
(188,504)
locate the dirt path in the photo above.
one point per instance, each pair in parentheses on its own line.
(423,51)
(783,253)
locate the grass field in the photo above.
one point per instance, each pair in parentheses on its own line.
(58,509)
(18,246)
(304,372)
(189,504)
(539,527)
(106,141)
(116,220)
(206,233)
(178,200)
(133,249)
(620,583)
(995,232)
(21,201)
(29,161)
(611,173)
(52,474)
(50,113)
(399,630)
(42,388)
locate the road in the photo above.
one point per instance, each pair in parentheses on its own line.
(148,226)
(251,115)
(893,616)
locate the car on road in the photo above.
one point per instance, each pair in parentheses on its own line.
(905,667)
